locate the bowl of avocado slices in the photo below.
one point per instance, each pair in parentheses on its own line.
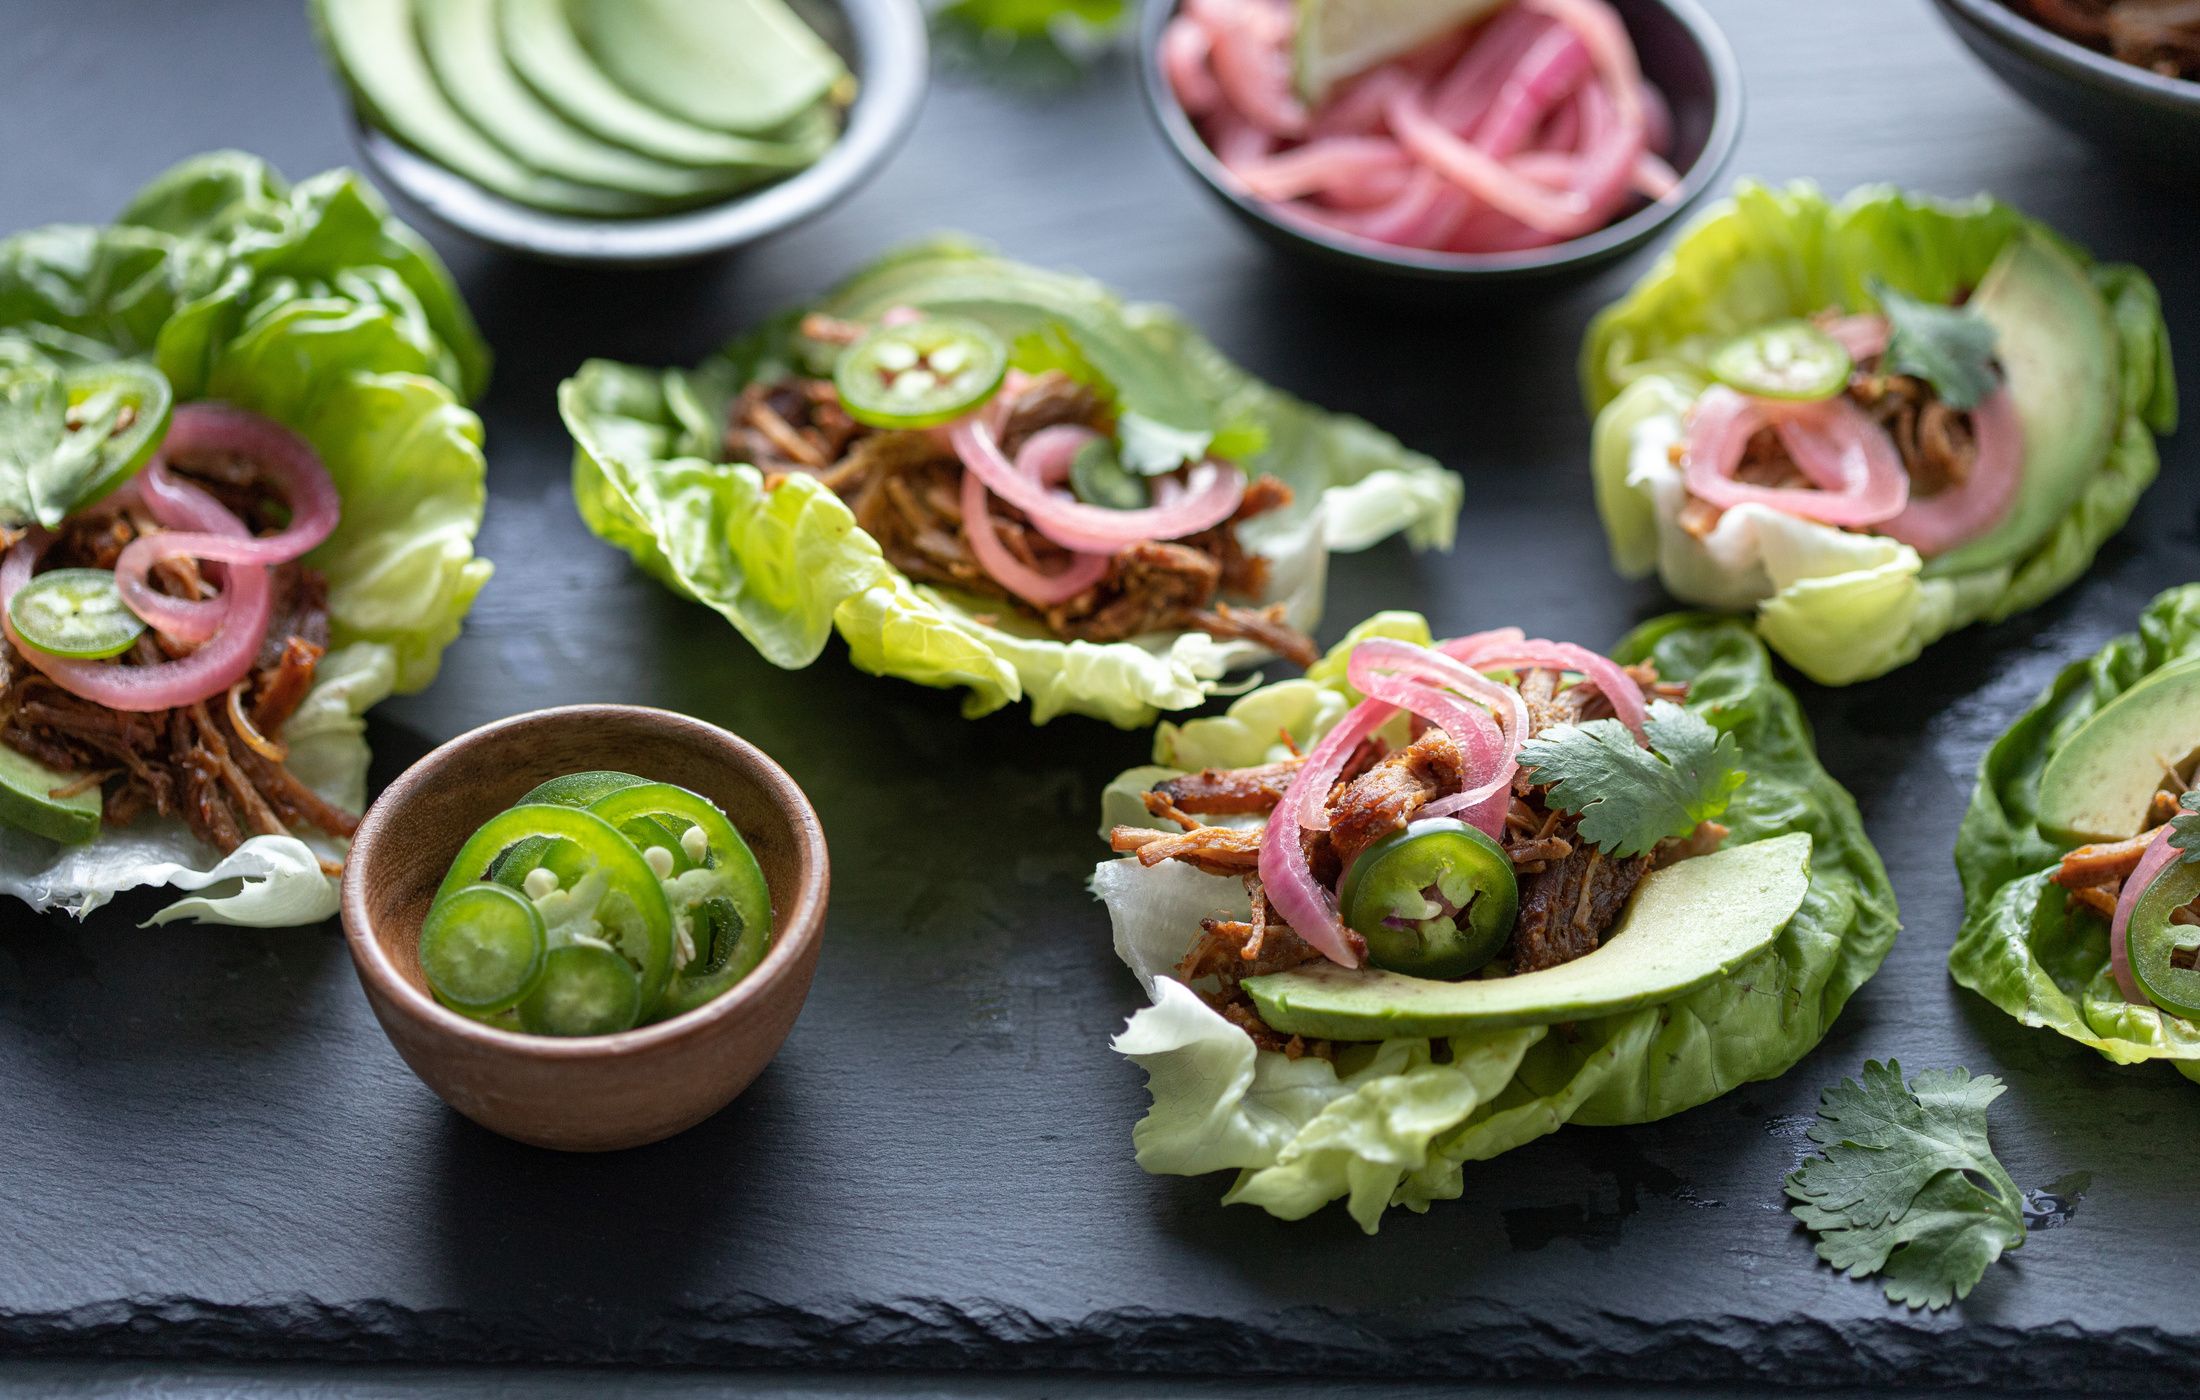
(625,132)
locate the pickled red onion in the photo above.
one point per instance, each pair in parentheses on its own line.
(1938,523)
(1853,465)
(2159,853)
(1038,589)
(1499,653)
(1448,148)
(218,430)
(1249,56)
(204,673)
(1210,496)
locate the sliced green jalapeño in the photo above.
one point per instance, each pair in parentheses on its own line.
(482,948)
(2165,954)
(1436,899)
(128,403)
(632,912)
(719,899)
(77,613)
(1786,360)
(921,373)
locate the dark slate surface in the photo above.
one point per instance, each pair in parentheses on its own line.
(207,1150)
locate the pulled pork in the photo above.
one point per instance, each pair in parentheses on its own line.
(1571,893)
(218,765)
(905,491)
(2093,875)
(2162,36)
(1935,443)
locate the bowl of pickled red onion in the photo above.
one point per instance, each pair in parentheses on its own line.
(1536,139)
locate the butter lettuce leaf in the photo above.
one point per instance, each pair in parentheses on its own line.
(1393,1124)
(2021,946)
(313,305)
(1841,606)
(788,566)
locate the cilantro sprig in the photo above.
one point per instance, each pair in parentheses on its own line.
(1630,798)
(2184,828)
(1949,347)
(1909,1188)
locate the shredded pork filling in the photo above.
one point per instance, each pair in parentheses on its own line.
(1571,893)
(2162,36)
(905,491)
(217,765)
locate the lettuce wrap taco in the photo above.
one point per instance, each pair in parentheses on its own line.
(1438,899)
(238,495)
(1873,422)
(991,476)
(2078,850)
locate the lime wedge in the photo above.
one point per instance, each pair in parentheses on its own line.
(1338,38)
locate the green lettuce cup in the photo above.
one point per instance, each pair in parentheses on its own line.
(1393,1122)
(2026,945)
(310,304)
(1845,605)
(784,560)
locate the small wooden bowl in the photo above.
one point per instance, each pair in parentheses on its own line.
(597,1093)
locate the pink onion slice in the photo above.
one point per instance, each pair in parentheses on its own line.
(1608,676)
(201,675)
(1185,51)
(1039,589)
(2159,853)
(1850,458)
(211,430)
(1411,678)
(1211,495)
(1864,336)
(1250,57)
(1938,523)
(1286,877)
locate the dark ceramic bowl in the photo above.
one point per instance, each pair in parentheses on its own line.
(601,1092)
(2124,110)
(884,44)
(1683,54)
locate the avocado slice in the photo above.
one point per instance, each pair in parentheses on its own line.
(540,45)
(1687,925)
(742,66)
(376,48)
(466,56)
(2097,785)
(2062,362)
(27,801)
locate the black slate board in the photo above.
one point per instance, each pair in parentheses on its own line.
(207,1149)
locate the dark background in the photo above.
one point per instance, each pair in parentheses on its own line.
(207,1150)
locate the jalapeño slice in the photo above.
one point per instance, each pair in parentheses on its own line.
(585,989)
(1436,899)
(482,948)
(128,402)
(711,879)
(633,915)
(1786,360)
(77,613)
(921,373)
(2165,954)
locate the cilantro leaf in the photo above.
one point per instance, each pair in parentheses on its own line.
(1909,1188)
(1630,798)
(2184,828)
(1949,347)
